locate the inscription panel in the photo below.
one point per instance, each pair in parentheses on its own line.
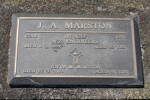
(75,47)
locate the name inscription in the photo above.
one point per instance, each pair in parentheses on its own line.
(75,25)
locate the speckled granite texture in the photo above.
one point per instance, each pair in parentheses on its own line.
(79,7)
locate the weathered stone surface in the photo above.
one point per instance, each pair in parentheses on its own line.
(84,7)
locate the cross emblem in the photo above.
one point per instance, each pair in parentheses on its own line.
(75,55)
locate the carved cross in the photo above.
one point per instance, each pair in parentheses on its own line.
(76,55)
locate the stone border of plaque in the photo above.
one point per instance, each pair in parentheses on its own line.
(38,80)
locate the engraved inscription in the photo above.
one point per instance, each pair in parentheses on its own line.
(79,39)
(57,44)
(76,25)
(76,47)
(46,25)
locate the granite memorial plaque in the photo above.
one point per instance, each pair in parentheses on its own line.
(74,51)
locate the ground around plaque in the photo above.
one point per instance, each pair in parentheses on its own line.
(79,7)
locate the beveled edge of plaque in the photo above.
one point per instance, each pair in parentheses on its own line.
(15,21)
